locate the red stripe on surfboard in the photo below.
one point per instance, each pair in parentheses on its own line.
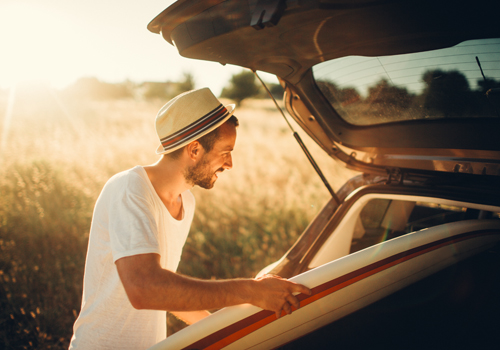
(242,328)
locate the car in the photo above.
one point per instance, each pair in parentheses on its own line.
(406,254)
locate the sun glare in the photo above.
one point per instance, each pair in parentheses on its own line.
(36,44)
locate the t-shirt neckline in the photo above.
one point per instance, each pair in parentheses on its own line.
(158,199)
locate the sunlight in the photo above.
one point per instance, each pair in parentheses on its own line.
(38,44)
(7,120)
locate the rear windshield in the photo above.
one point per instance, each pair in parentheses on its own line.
(458,82)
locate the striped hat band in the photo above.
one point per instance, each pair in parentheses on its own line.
(189,116)
(192,130)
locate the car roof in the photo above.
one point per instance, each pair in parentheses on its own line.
(289,38)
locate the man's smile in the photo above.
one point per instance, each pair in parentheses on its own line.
(219,171)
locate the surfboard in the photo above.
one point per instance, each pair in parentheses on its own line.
(341,287)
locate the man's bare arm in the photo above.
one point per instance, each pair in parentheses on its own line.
(149,286)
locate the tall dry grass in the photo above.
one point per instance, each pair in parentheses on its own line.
(57,155)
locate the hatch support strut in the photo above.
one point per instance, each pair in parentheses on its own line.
(302,145)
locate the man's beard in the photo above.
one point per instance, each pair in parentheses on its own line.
(201,175)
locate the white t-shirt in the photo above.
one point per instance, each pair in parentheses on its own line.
(129,219)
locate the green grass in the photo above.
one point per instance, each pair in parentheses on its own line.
(58,155)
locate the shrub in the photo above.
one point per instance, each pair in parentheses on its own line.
(167,90)
(241,86)
(43,237)
(93,88)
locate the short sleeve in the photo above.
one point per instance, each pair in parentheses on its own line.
(132,223)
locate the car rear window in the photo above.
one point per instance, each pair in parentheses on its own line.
(462,81)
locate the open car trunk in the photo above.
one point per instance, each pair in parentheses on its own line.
(398,125)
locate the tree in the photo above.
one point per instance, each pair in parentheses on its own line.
(158,90)
(486,84)
(447,93)
(338,96)
(186,84)
(241,86)
(93,88)
(167,90)
(389,95)
(386,103)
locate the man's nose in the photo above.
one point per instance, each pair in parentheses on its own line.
(228,164)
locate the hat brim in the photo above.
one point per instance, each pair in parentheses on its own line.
(230,109)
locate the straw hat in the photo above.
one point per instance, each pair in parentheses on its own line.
(189,116)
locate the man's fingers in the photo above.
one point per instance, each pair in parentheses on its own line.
(301,289)
(276,291)
(292,300)
(287,308)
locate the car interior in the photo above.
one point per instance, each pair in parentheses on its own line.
(385,219)
(377,218)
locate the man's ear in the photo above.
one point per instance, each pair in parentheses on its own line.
(195,150)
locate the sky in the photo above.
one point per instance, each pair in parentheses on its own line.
(59,41)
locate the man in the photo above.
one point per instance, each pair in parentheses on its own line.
(140,223)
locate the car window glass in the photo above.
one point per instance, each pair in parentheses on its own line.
(373,212)
(445,83)
(385,219)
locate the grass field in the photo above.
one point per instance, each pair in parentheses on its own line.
(57,153)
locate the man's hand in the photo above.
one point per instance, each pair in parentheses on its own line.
(277,294)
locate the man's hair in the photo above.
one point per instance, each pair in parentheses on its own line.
(207,141)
